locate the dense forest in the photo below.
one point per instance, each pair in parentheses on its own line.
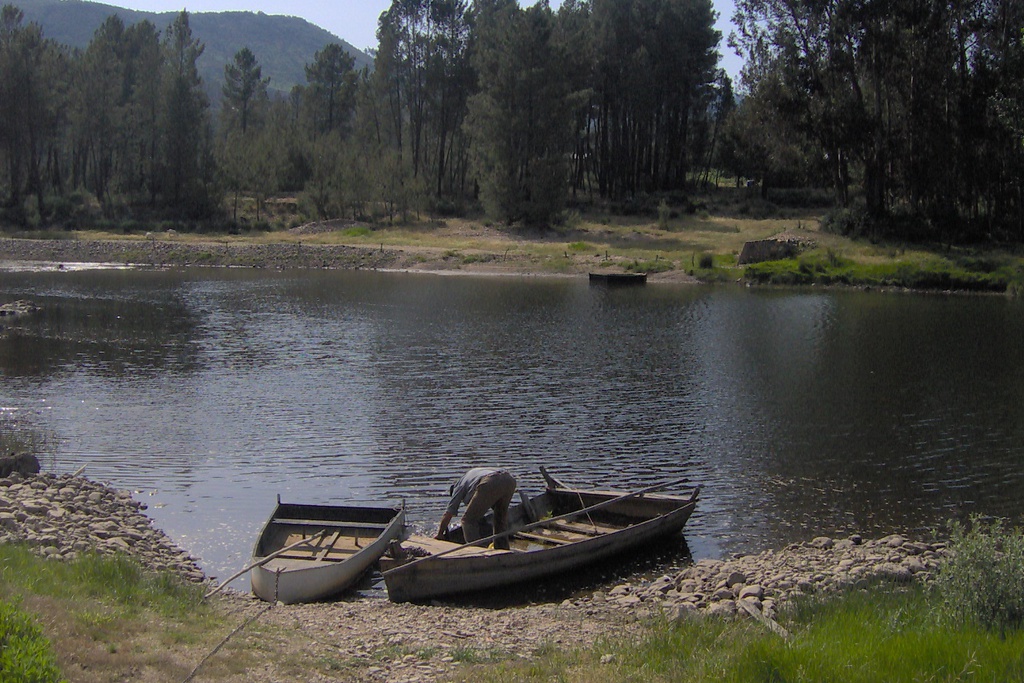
(908,114)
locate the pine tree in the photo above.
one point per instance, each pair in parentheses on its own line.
(245,90)
(187,142)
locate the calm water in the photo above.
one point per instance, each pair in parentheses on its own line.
(801,412)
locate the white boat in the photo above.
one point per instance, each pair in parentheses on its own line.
(317,551)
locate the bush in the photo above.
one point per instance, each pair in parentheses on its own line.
(25,655)
(983,581)
(664,213)
(846,222)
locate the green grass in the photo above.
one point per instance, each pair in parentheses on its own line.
(826,267)
(118,582)
(25,654)
(881,634)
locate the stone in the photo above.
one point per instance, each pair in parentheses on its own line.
(18,463)
(680,611)
(725,608)
(914,565)
(723,594)
(662,585)
(752,591)
(736,577)
(894,541)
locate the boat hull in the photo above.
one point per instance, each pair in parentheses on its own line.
(640,521)
(346,542)
(616,279)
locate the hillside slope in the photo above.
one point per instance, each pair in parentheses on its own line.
(283,45)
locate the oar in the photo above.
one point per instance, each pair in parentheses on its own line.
(266,559)
(535,525)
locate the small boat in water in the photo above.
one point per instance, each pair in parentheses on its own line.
(562,530)
(307,553)
(613,279)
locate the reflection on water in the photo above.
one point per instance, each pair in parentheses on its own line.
(803,412)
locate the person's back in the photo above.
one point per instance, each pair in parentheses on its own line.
(482,488)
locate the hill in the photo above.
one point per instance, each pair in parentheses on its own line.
(283,45)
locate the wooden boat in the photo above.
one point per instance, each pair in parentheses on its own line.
(557,532)
(612,279)
(307,553)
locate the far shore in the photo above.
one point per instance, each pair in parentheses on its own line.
(693,250)
(172,251)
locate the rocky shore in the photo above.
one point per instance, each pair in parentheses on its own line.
(62,516)
(169,251)
(762,583)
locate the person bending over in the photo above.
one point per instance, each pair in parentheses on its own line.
(482,489)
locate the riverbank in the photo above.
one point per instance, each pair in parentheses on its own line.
(61,517)
(712,249)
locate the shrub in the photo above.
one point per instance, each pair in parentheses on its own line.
(25,655)
(847,222)
(664,213)
(658,265)
(983,581)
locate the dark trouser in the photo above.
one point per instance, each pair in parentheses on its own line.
(493,492)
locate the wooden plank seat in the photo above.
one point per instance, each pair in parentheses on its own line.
(333,555)
(330,524)
(584,527)
(553,540)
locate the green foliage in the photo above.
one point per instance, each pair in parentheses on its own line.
(331,93)
(519,153)
(118,579)
(657,265)
(664,214)
(883,633)
(25,654)
(284,43)
(244,90)
(829,97)
(983,582)
(846,222)
(830,268)
(579,246)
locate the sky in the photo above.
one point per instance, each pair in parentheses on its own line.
(356,20)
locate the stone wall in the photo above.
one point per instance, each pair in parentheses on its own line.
(775,248)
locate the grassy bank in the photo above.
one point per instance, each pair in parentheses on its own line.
(886,633)
(667,242)
(965,271)
(107,619)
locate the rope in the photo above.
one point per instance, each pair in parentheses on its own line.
(226,639)
(277,580)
